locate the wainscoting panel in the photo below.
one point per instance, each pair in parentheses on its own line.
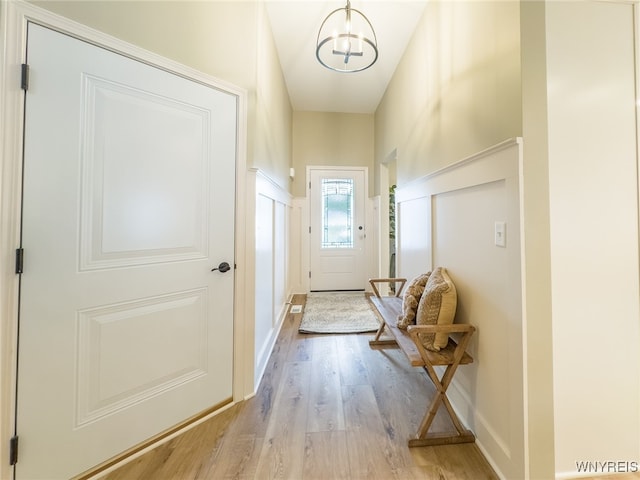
(265,276)
(413,236)
(298,258)
(268,253)
(451,218)
(281,282)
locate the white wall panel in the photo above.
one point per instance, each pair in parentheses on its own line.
(268,239)
(264,273)
(280,261)
(463,242)
(373,240)
(298,260)
(413,236)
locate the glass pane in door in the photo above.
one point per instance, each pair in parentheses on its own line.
(337,213)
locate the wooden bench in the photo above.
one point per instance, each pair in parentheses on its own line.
(389,308)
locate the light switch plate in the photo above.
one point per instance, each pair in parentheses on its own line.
(500,234)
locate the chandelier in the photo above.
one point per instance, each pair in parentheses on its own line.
(346,41)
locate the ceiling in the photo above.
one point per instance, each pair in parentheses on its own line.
(311,86)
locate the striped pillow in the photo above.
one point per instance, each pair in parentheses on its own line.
(437,307)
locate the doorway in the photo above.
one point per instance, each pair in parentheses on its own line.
(337,231)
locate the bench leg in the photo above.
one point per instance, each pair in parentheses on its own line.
(461,435)
(376,340)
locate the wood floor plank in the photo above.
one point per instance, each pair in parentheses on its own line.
(282,452)
(367,457)
(462,461)
(325,396)
(398,394)
(429,472)
(366,439)
(326,456)
(237,460)
(256,416)
(300,350)
(353,370)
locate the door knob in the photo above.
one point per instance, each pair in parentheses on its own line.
(223,267)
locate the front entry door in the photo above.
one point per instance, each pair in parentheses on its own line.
(337,243)
(129,187)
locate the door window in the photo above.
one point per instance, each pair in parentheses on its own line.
(337,213)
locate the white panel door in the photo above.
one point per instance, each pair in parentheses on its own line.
(125,330)
(337,244)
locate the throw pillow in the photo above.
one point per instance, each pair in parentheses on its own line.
(410,300)
(437,306)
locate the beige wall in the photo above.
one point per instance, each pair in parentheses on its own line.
(230,40)
(197,34)
(273,123)
(457,89)
(331,139)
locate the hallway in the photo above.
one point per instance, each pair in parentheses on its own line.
(328,407)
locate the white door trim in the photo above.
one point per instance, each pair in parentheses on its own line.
(14,16)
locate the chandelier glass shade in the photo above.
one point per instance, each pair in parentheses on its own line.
(346,41)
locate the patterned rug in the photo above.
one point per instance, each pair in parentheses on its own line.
(338,312)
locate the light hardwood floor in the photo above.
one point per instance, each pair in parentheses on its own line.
(328,407)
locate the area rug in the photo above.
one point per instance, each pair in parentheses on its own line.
(338,312)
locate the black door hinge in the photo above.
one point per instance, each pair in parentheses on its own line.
(24,79)
(13,450)
(19,260)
